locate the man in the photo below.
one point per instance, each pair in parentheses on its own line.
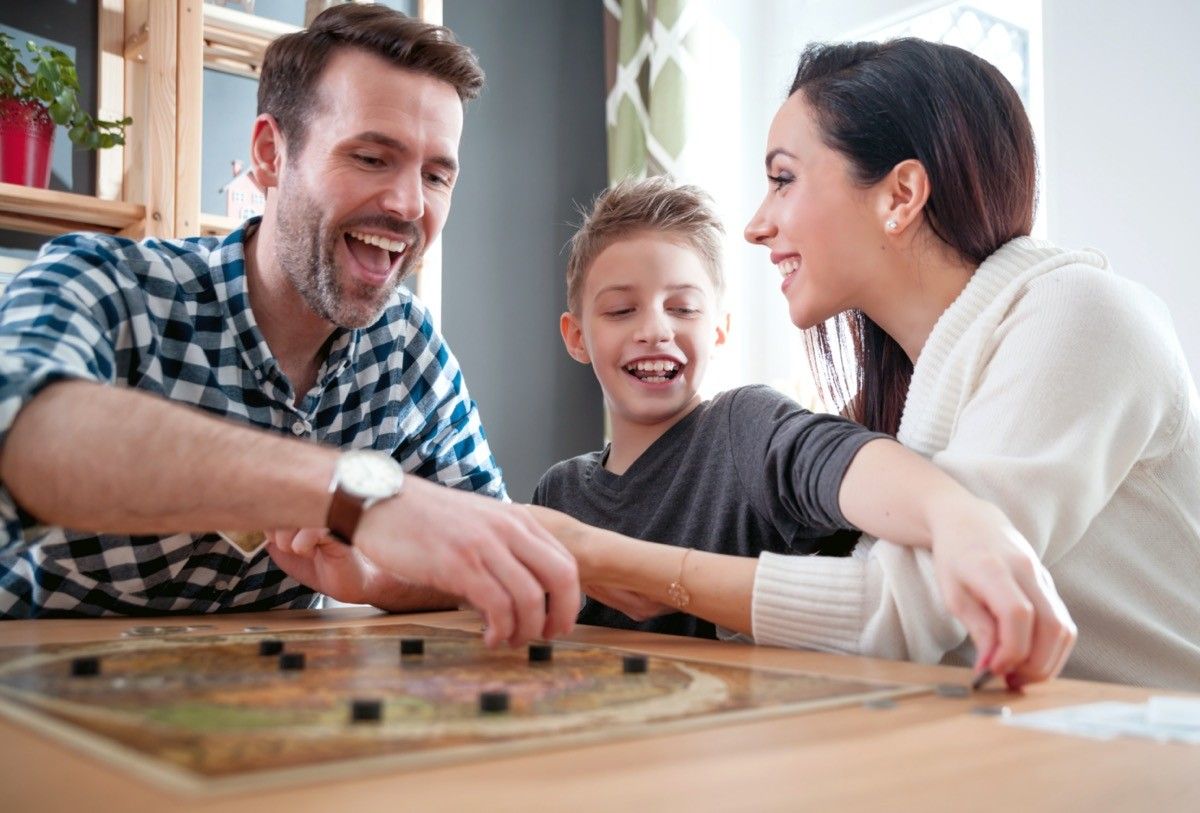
(126,369)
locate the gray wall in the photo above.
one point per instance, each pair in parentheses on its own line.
(533,146)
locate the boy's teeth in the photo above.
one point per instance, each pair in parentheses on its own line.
(654,366)
(396,246)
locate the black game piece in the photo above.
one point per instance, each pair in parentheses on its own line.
(412,646)
(952,690)
(271,646)
(540,653)
(85,667)
(493,702)
(366,711)
(635,664)
(992,711)
(291,661)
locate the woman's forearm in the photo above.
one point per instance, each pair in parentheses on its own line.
(718,587)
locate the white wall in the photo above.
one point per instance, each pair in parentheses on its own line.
(1123,142)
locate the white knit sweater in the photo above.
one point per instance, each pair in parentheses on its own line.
(1058,391)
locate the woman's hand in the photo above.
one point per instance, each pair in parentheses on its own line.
(993,582)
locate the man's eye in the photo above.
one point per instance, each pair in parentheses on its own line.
(368,160)
(437,179)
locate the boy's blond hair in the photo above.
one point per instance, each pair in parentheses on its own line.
(656,204)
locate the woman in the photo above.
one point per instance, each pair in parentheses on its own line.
(902,185)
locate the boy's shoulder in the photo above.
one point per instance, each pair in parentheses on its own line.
(755,399)
(567,473)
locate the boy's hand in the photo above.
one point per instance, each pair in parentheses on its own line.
(312,557)
(993,582)
(317,560)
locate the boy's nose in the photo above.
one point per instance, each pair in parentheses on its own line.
(655,329)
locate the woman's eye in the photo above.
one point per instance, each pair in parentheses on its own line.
(779,181)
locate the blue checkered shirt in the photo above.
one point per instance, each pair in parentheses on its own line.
(172,317)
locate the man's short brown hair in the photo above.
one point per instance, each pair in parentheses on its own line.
(656,204)
(294,62)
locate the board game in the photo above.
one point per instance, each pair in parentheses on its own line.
(235,712)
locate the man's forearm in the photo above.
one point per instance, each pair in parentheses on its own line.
(895,494)
(100,458)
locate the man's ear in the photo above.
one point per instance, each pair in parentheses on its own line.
(572,336)
(268,152)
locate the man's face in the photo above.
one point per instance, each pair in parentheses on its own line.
(370,187)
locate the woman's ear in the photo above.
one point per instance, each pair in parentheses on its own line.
(903,194)
(572,336)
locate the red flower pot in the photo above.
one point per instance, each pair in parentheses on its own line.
(26,136)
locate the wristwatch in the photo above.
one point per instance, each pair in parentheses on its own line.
(360,479)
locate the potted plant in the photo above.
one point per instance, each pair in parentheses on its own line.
(33,99)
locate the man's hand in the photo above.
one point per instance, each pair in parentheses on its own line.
(993,582)
(493,554)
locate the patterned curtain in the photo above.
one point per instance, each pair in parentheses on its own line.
(647,59)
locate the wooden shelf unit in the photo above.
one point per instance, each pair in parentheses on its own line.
(45,211)
(234,42)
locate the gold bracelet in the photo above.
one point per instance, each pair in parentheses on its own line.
(676,591)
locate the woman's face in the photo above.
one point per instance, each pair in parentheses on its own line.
(825,232)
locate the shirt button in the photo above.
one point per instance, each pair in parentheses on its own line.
(221,584)
(258,374)
(299,428)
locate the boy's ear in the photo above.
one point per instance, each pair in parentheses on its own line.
(723,322)
(267,152)
(572,335)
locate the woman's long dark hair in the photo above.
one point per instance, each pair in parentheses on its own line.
(882,103)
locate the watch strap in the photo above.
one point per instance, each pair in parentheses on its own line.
(345,510)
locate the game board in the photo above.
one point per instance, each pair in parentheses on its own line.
(210,714)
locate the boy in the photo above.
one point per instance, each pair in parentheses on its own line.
(747,472)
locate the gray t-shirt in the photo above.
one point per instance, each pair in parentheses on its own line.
(745,472)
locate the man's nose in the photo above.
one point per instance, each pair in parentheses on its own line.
(404,197)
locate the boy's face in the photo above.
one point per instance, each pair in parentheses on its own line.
(648,324)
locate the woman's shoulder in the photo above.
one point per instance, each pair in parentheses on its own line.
(1091,306)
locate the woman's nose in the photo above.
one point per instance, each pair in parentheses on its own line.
(759,229)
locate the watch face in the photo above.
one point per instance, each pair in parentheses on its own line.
(370,475)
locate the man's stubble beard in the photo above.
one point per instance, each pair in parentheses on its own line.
(306,247)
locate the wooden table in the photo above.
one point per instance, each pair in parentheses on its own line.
(927,753)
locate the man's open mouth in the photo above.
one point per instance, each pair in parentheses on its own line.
(379,255)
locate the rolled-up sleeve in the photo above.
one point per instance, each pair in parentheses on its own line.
(55,325)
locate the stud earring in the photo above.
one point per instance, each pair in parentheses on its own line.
(892,225)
